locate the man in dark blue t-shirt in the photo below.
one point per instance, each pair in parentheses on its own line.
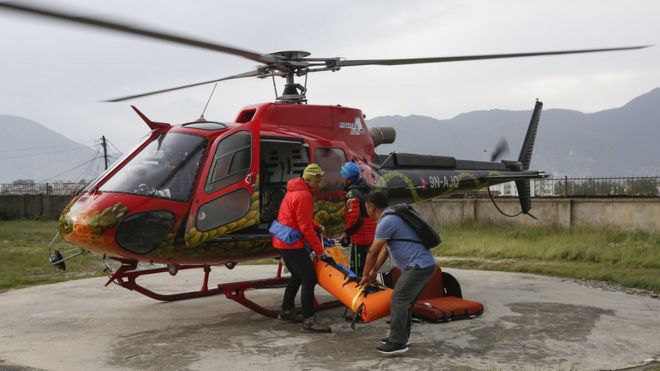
(416,263)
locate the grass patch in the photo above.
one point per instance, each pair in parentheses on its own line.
(24,255)
(630,259)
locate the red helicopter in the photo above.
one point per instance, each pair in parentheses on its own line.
(204,193)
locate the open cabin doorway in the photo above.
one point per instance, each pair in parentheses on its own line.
(281,160)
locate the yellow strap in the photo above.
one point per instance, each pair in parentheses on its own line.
(355,298)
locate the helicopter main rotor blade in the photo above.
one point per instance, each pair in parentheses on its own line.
(144,32)
(393,62)
(255,73)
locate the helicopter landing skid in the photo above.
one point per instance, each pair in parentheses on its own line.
(236,291)
(126,277)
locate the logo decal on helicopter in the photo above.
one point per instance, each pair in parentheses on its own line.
(444,182)
(424,184)
(356,127)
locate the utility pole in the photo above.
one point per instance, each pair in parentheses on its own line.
(105,151)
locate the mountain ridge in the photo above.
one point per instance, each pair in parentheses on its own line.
(613,142)
(30,150)
(608,143)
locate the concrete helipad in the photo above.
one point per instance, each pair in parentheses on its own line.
(530,322)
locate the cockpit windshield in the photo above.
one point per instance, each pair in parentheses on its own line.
(165,168)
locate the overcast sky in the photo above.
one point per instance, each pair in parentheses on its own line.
(57,73)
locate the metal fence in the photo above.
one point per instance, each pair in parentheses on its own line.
(598,187)
(586,187)
(552,187)
(55,189)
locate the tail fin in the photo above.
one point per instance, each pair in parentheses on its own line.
(523,185)
(528,145)
(524,194)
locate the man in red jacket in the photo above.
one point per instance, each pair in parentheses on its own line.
(294,229)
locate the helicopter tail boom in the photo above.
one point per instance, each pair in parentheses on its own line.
(432,176)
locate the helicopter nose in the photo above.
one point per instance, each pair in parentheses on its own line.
(85,226)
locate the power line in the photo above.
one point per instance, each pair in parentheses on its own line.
(52,146)
(90,168)
(115,147)
(39,154)
(25,186)
(73,168)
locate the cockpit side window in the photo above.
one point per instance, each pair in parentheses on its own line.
(231,161)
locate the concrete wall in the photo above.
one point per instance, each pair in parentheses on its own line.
(32,206)
(626,214)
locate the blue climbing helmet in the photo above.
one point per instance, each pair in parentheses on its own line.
(350,171)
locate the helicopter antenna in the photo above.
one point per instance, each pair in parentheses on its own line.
(201,117)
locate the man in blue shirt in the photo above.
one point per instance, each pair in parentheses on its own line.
(416,263)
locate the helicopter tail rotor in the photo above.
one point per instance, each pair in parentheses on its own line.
(523,185)
(501,148)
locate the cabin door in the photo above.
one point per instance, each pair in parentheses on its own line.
(227,197)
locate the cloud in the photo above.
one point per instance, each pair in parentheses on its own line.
(56,73)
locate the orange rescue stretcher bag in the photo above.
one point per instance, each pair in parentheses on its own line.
(368,302)
(442,299)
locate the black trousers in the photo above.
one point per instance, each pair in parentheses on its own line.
(298,262)
(358,258)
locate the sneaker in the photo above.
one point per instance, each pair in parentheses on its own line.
(390,348)
(289,315)
(310,325)
(386,340)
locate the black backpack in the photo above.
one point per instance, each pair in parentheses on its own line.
(429,237)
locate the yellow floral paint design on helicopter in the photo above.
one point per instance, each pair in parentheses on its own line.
(331,216)
(381,183)
(86,227)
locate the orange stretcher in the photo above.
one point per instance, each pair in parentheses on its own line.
(442,299)
(337,255)
(369,303)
